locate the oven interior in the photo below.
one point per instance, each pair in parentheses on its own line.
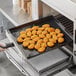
(55,60)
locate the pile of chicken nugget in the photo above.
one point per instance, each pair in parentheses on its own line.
(40,37)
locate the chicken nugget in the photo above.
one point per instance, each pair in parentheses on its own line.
(41,29)
(36,39)
(57,31)
(41,35)
(20,40)
(31,46)
(60,35)
(29,34)
(41,49)
(37,46)
(50,44)
(52,40)
(45,40)
(22,32)
(44,32)
(52,33)
(25,43)
(28,29)
(35,27)
(23,35)
(60,40)
(34,36)
(51,29)
(54,37)
(34,32)
(39,32)
(39,41)
(43,45)
(45,25)
(48,36)
(27,39)
(32,42)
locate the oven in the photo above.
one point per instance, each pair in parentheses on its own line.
(49,63)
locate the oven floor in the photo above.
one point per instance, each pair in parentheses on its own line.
(7,68)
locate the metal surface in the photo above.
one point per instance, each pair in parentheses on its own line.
(68,24)
(14,13)
(48,60)
(14,32)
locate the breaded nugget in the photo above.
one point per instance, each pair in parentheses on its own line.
(51,29)
(45,40)
(60,35)
(40,29)
(43,45)
(34,32)
(39,32)
(28,29)
(41,49)
(60,40)
(50,44)
(57,31)
(40,41)
(31,46)
(37,46)
(23,35)
(54,37)
(46,29)
(45,25)
(35,27)
(29,33)
(52,33)
(44,32)
(41,35)
(25,43)
(36,38)
(27,39)
(48,36)
(20,40)
(22,32)
(52,40)
(32,42)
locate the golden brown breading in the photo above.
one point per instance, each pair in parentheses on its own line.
(27,39)
(28,29)
(36,39)
(23,35)
(45,40)
(48,36)
(22,32)
(35,27)
(41,35)
(34,32)
(51,29)
(45,25)
(40,29)
(29,33)
(50,44)
(60,40)
(37,46)
(41,49)
(57,31)
(25,44)
(31,46)
(60,35)
(20,40)
(34,36)
(44,32)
